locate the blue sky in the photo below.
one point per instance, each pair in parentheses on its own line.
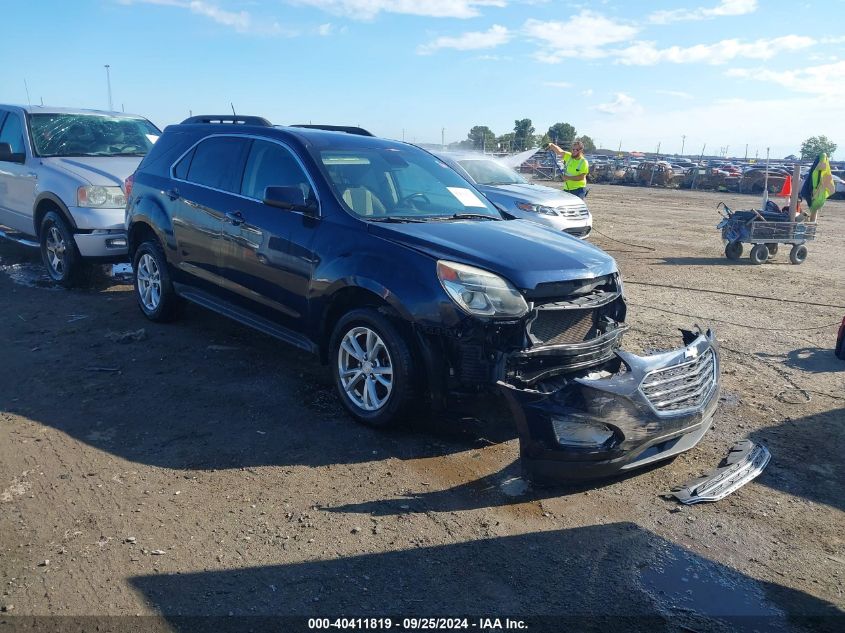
(722,72)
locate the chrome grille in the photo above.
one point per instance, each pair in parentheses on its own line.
(573,212)
(681,387)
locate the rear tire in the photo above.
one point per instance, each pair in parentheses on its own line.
(61,258)
(733,250)
(798,254)
(374,370)
(759,254)
(153,286)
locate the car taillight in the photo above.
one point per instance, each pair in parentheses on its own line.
(127,185)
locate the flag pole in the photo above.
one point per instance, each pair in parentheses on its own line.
(766,182)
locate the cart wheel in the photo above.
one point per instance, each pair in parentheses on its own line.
(733,250)
(798,254)
(773,249)
(759,254)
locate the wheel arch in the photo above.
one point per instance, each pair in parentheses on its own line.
(46,202)
(351,297)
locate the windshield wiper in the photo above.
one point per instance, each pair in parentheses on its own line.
(395,219)
(471,216)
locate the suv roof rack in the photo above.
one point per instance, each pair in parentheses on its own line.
(349,129)
(228,118)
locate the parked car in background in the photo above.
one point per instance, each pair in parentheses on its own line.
(400,275)
(61,182)
(520,197)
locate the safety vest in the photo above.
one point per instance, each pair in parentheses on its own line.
(573,167)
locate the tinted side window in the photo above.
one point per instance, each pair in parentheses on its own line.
(269,165)
(180,171)
(12,133)
(219,162)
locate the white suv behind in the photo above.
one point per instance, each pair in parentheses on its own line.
(61,183)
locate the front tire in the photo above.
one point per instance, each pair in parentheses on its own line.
(759,254)
(153,286)
(798,254)
(373,367)
(58,251)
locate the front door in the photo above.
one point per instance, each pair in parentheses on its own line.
(17,180)
(266,256)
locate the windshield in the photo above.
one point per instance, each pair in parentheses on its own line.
(60,134)
(488,172)
(391,183)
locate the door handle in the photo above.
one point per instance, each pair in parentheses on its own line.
(172,194)
(234,217)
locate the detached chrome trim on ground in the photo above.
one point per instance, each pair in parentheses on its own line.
(745,461)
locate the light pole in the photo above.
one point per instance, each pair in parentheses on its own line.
(683,142)
(108,85)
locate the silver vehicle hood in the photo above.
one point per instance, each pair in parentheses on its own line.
(106,171)
(535,194)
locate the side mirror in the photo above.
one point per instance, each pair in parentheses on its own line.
(291,199)
(8,156)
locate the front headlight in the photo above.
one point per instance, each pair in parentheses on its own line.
(103,197)
(479,292)
(535,208)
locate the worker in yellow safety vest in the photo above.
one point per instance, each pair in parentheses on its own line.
(575,168)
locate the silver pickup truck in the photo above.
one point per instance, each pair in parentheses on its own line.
(62,173)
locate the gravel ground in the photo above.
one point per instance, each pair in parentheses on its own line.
(200,468)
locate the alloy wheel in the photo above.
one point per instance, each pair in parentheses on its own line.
(56,249)
(149,282)
(365,368)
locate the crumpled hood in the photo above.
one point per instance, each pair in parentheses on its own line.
(106,171)
(525,253)
(535,194)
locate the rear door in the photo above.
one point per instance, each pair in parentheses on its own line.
(267,257)
(205,185)
(17,181)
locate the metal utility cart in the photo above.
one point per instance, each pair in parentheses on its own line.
(765,230)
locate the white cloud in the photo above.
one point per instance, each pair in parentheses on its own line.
(240,21)
(583,35)
(724,8)
(622,104)
(473,40)
(368,9)
(648,54)
(325,29)
(587,93)
(828,79)
(675,93)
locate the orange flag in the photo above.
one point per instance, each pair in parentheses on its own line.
(786,190)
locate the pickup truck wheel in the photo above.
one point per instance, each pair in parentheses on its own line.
(153,287)
(58,251)
(374,370)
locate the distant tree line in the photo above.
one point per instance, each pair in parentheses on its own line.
(523,137)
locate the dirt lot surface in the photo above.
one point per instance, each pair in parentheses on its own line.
(200,468)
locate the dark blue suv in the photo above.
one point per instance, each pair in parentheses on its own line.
(411,285)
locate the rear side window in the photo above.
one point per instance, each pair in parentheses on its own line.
(180,171)
(271,165)
(219,163)
(12,133)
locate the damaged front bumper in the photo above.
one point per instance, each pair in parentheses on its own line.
(627,413)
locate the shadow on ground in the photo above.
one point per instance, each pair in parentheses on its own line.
(615,577)
(200,393)
(807,457)
(810,359)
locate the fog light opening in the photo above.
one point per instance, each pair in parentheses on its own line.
(116,242)
(581,434)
